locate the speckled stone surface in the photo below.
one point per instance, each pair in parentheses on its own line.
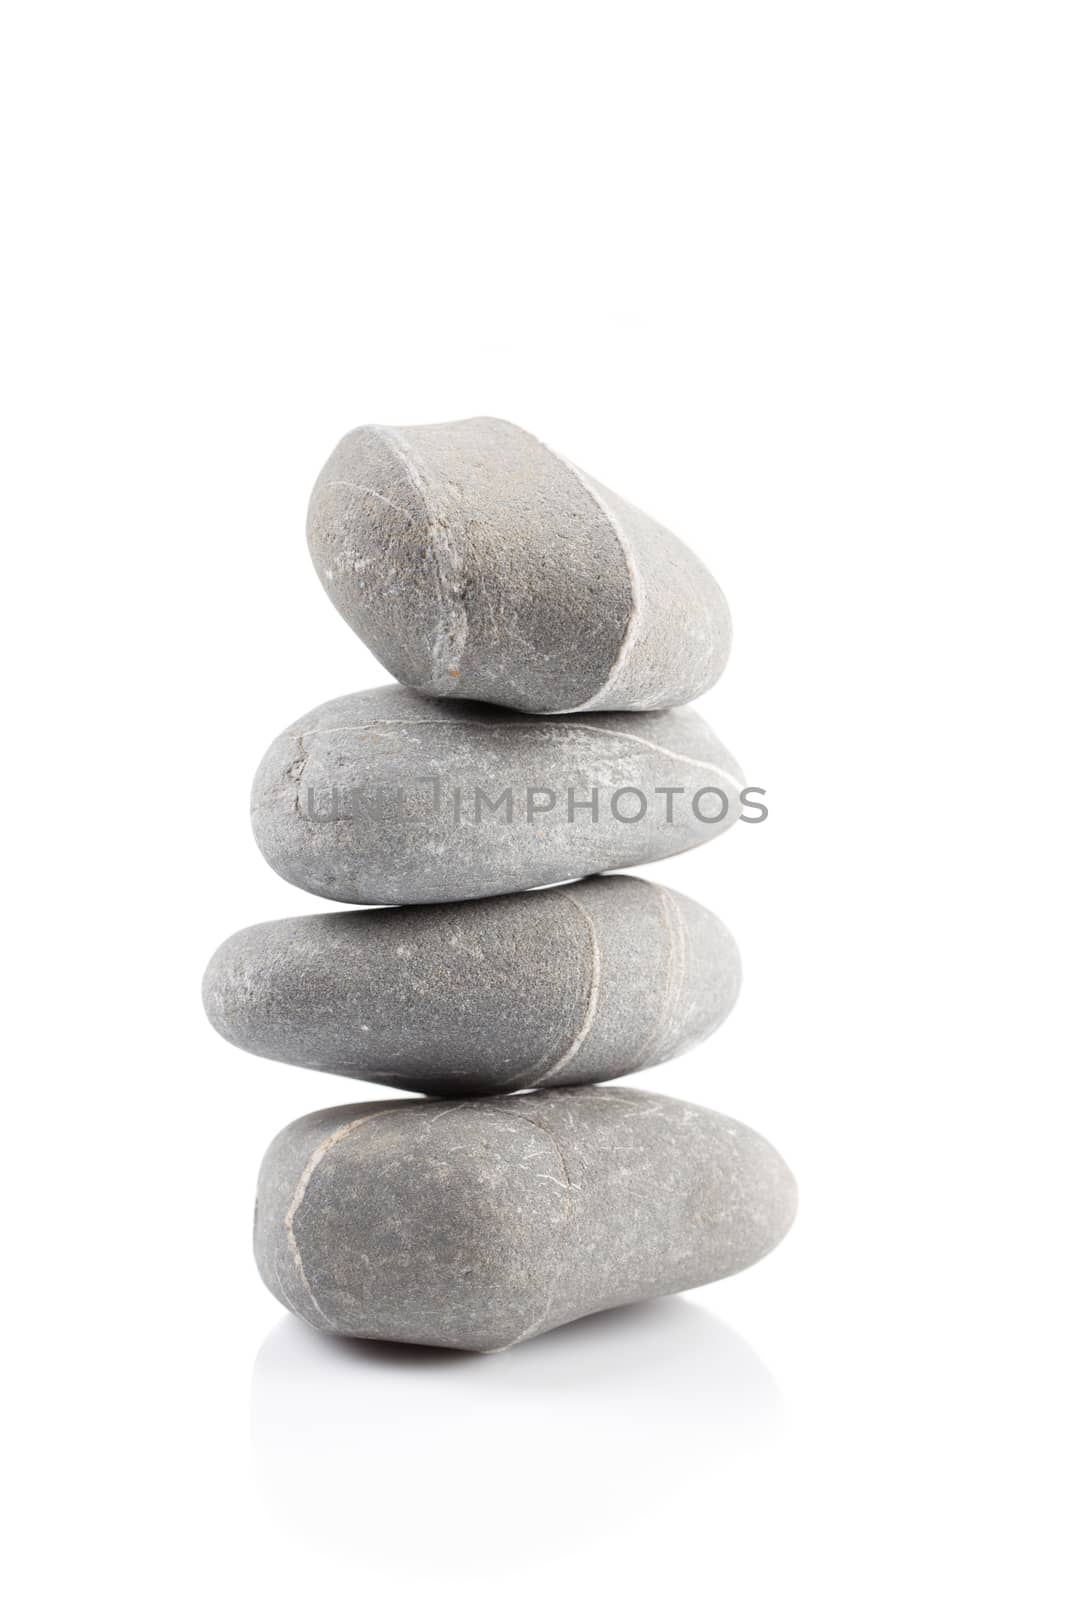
(561,986)
(476,562)
(387,797)
(476,1224)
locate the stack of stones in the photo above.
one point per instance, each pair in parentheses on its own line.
(546,636)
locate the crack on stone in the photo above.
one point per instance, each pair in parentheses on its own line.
(556,725)
(365,488)
(570,1189)
(300,1192)
(637,593)
(450,634)
(591,1001)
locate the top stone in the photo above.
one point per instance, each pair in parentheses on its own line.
(477,563)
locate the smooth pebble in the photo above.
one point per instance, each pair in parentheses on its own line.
(476,562)
(476,1224)
(388,797)
(562,986)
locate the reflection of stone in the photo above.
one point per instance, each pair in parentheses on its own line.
(520,1455)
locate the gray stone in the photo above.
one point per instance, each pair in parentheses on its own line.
(388,796)
(476,1224)
(475,562)
(561,986)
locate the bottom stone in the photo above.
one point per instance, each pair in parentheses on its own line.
(476,1224)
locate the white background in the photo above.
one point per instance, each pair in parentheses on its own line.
(789,276)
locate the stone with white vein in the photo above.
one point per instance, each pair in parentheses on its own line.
(567,985)
(476,1224)
(393,798)
(477,563)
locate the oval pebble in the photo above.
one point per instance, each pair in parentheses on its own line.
(476,562)
(561,986)
(389,797)
(476,1224)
